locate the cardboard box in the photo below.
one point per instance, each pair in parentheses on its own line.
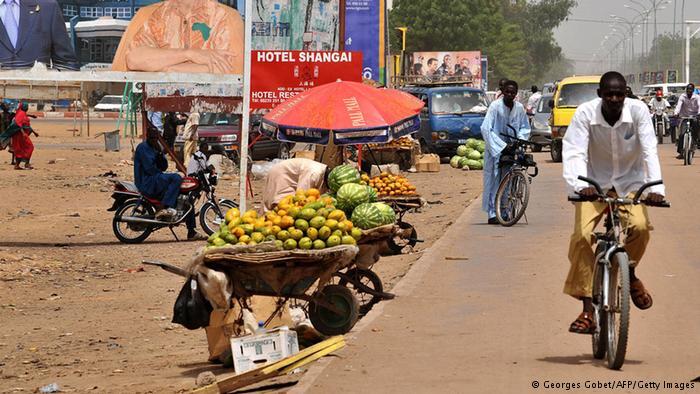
(252,351)
(305,154)
(428,163)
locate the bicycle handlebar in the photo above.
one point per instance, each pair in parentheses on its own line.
(622,201)
(524,142)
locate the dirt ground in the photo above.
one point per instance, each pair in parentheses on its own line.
(76,307)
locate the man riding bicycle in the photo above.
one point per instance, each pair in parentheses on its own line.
(611,140)
(688,106)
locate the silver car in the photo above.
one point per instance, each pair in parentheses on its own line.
(541,131)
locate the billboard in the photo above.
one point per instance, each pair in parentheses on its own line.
(447,66)
(280,75)
(365,31)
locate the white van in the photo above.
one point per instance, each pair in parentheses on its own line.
(667,88)
(110,103)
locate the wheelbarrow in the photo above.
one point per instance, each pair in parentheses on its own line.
(406,234)
(286,275)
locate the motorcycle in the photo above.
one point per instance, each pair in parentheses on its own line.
(134,214)
(659,125)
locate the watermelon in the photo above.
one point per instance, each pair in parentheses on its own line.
(472,143)
(372,192)
(474,155)
(367,216)
(474,164)
(351,195)
(481,146)
(463,162)
(454,161)
(387,212)
(342,175)
(462,150)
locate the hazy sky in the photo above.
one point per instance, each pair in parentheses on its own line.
(581,39)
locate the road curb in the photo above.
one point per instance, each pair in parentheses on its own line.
(71,115)
(403,288)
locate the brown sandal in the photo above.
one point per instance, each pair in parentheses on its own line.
(640,296)
(583,324)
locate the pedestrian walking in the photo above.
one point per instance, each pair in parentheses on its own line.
(22,145)
(191,136)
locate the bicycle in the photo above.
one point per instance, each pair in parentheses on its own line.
(611,277)
(513,192)
(687,144)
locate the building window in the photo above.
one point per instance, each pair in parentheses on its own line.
(96,51)
(124,13)
(91,12)
(70,10)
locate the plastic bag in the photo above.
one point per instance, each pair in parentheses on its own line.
(191,309)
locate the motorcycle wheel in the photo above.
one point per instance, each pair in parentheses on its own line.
(132,233)
(211,216)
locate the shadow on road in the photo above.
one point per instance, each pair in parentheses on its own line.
(581,359)
(80,244)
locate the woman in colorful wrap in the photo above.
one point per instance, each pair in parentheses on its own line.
(17,135)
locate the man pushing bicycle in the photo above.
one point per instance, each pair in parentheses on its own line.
(612,141)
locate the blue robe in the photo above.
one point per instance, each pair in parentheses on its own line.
(495,123)
(150,179)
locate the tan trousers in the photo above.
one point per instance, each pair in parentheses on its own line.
(579,282)
(188,151)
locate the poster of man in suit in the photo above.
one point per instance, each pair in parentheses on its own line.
(34,31)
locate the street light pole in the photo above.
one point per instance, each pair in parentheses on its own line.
(688,36)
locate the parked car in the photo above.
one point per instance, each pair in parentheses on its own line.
(541,131)
(571,92)
(223,132)
(110,103)
(452,114)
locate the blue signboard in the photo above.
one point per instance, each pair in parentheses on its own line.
(364,31)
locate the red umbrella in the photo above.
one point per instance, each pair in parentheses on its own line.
(353,111)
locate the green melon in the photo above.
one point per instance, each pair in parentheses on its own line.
(341,175)
(474,155)
(472,143)
(463,162)
(462,150)
(351,195)
(387,212)
(367,216)
(474,164)
(372,194)
(454,161)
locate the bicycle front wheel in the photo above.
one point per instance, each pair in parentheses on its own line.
(618,313)
(512,198)
(600,335)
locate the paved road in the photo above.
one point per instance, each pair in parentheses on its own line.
(498,321)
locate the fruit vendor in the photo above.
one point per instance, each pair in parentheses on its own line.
(286,177)
(501,114)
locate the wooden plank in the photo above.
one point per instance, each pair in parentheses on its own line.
(271,370)
(313,357)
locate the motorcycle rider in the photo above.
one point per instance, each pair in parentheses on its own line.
(688,106)
(658,106)
(151,180)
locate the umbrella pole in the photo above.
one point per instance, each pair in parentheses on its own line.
(376,163)
(359,156)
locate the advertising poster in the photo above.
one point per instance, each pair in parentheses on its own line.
(364,31)
(672,76)
(447,66)
(280,75)
(296,25)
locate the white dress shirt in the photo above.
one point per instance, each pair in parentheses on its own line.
(622,156)
(15,11)
(687,106)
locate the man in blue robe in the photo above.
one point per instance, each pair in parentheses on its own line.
(502,113)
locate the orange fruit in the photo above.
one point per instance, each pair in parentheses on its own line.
(313,192)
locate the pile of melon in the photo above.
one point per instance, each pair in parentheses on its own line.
(304,220)
(469,155)
(357,200)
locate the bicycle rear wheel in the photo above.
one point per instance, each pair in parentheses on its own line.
(512,198)
(599,337)
(618,314)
